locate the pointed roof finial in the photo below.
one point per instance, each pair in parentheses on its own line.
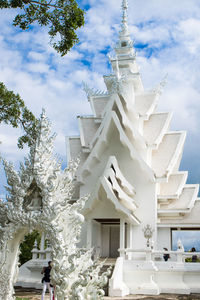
(124,44)
(124,24)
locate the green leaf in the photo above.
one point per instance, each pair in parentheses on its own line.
(63,17)
(27,245)
(14,112)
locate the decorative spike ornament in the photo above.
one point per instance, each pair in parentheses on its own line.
(124,45)
(35,244)
(124,23)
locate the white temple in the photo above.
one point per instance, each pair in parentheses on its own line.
(130,167)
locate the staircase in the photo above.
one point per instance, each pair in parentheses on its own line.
(110,262)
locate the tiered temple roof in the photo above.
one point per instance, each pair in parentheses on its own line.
(125,117)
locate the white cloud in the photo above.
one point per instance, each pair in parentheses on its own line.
(38,67)
(169,33)
(189,31)
(36,56)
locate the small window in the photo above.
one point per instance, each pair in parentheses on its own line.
(124,44)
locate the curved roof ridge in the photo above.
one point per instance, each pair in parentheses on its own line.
(186,199)
(126,200)
(104,182)
(112,117)
(132,131)
(174,186)
(145,103)
(88,128)
(165,157)
(155,127)
(113,163)
(98,103)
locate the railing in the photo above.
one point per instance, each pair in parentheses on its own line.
(42,254)
(156,255)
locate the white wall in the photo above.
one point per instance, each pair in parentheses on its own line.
(104,208)
(96,234)
(105,240)
(164,238)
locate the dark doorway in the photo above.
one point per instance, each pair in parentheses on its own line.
(110,236)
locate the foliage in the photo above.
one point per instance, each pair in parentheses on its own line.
(189,259)
(14,112)
(63,17)
(27,245)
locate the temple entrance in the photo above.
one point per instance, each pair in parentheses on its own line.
(110,236)
(9,260)
(110,240)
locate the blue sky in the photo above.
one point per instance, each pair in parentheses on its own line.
(189,238)
(167,39)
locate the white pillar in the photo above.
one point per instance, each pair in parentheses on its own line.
(129,239)
(180,256)
(42,243)
(122,236)
(35,251)
(89,234)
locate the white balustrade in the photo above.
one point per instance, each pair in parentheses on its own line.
(155,255)
(41,253)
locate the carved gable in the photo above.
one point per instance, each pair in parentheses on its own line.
(33,198)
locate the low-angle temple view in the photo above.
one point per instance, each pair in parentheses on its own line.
(137,197)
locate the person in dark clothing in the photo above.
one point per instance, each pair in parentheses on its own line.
(166,256)
(46,281)
(194,257)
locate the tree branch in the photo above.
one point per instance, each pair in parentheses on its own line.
(44,4)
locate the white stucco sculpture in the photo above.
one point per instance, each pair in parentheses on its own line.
(39,198)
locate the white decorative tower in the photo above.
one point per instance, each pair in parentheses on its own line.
(130,165)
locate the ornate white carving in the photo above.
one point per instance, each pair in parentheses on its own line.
(91,92)
(39,198)
(180,246)
(115,83)
(124,24)
(5,291)
(148,233)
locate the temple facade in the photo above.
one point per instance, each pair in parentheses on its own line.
(130,167)
(130,162)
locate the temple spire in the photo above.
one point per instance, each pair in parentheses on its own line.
(124,45)
(124,23)
(124,61)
